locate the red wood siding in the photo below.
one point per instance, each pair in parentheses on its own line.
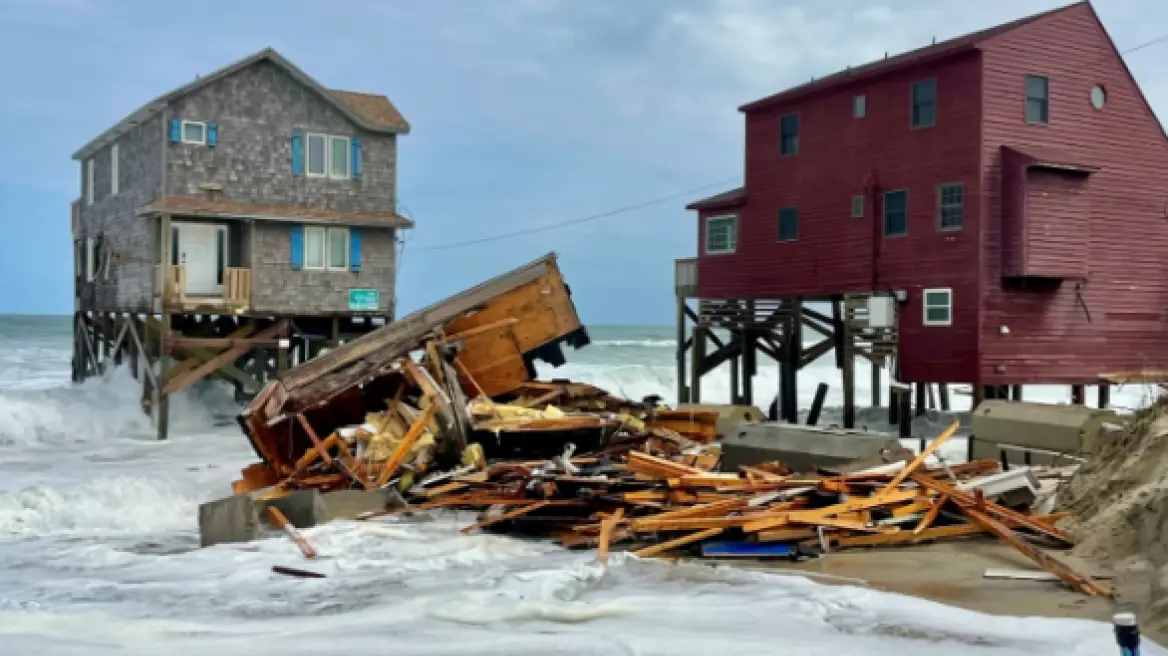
(1057,224)
(841,156)
(1115,320)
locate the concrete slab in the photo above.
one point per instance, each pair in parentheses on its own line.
(233,519)
(801,447)
(303,508)
(348,504)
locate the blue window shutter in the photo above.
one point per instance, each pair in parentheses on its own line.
(356,168)
(212,134)
(297,247)
(175,130)
(354,250)
(297,154)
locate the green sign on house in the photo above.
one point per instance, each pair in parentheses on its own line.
(364,300)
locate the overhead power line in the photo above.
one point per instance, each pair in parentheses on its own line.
(1145,44)
(584,219)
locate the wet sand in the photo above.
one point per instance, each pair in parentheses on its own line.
(953,573)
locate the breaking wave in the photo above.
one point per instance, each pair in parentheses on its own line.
(119,504)
(642,343)
(102,408)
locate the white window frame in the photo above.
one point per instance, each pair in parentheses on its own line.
(859,106)
(182,135)
(329,140)
(114,186)
(90,257)
(328,249)
(325,235)
(858,206)
(948,306)
(308,155)
(89,181)
(346,158)
(733,219)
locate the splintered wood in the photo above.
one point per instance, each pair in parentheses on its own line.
(659,501)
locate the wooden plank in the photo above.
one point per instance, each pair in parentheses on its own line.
(522,510)
(907,537)
(912,466)
(281,521)
(1047,562)
(218,343)
(402,450)
(662,547)
(316,442)
(1008,516)
(606,528)
(219,361)
(931,516)
(791,534)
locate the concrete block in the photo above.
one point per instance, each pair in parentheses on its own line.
(233,519)
(303,508)
(801,447)
(348,504)
(1011,488)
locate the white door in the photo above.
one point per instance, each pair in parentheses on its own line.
(202,249)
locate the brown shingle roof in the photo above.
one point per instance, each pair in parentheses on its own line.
(374,108)
(904,60)
(221,209)
(724,199)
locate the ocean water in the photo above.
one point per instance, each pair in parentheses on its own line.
(98,549)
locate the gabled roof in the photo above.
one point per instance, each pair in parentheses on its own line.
(719,201)
(371,112)
(966,43)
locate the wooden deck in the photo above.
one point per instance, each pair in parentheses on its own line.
(235,299)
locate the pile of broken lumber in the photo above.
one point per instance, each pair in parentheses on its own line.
(661,500)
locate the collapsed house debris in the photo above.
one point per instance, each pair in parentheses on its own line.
(442,410)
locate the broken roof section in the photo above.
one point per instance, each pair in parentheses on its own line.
(364,358)
(371,112)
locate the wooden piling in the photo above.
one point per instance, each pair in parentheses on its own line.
(1015,392)
(921,403)
(817,404)
(943,396)
(1078,395)
(1104,398)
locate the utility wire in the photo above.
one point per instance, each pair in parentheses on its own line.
(585,219)
(1145,44)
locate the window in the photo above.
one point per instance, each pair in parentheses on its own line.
(951,206)
(326,248)
(895,213)
(90,258)
(328,156)
(194,132)
(89,181)
(857,207)
(1037,99)
(938,305)
(338,249)
(860,106)
(721,234)
(114,169)
(338,157)
(788,224)
(789,135)
(924,103)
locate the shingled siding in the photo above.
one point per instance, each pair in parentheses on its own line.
(277,288)
(256,111)
(130,239)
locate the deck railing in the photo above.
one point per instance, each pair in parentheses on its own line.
(236,293)
(685,276)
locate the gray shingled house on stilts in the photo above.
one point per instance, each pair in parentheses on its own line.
(234,227)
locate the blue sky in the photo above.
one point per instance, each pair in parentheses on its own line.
(524,112)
